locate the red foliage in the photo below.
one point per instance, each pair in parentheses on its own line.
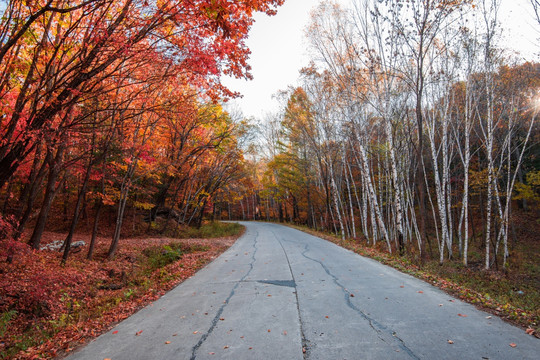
(68,301)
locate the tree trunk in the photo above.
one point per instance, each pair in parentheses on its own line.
(50,192)
(75,220)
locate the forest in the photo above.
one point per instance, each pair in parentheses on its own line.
(113,107)
(411,131)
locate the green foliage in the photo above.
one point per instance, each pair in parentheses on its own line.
(35,335)
(5,318)
(213,229)
(128,293)
(157,257)
(160,256)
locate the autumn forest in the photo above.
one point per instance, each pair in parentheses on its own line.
(412,131)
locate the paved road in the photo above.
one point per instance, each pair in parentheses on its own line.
(278,291)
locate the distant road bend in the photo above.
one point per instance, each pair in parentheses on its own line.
(278,293)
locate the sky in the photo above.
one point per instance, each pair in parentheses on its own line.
(279,50)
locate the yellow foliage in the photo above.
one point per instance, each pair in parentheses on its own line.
(531,190)
(143,205)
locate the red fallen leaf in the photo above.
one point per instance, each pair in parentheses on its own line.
(268,330)
(174,334)
(138,333)
(250,348)
(304,350)
(513,345)
(284,332)
(115,332)
(462,315)
(420,292)
(269,295)
(402,286)
(195,332)
(529,331)
(450,342)
(226,347)
(167,342)
(221,319)
(352,295)
(211,353)
(327,317)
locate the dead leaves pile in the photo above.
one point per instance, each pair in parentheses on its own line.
(71,301)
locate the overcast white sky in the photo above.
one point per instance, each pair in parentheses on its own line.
(279,49)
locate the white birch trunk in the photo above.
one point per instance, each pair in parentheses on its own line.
(396,183)
(373,197)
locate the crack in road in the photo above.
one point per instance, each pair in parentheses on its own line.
(225,303)
(305,341)
(379,328)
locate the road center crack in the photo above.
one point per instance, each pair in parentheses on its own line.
(383,332)
(216,318)
(305,342)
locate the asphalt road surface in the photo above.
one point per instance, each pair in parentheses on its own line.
(278,293)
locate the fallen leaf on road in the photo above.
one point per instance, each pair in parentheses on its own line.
(326,316)
(221,319)
(174,334)
(513,344)
(488,317)
(226,347)
(440,304)
(250,348)
(304,350)
(402,286)
(115,332)
(420,292)
(211,353)
(195,332)
(529,331)
(352,295)
(269,295)
(138,333)
(450,342)
(268,330)
(462,315)
(167,342)
(285,332)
